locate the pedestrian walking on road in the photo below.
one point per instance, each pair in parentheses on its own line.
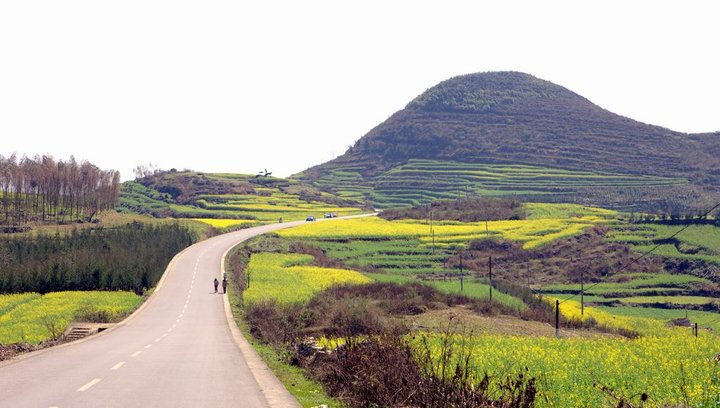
(224,285)
(216,283)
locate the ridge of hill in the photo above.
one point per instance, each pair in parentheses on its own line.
(509,133)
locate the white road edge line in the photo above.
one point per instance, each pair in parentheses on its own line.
(88,385)
(118,365)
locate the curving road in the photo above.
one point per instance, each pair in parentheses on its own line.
(177,350)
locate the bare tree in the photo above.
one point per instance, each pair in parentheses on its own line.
(43,189)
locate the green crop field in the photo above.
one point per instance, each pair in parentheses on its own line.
(32,318)
(422,181)
(640,288)
(703,319)
(637,281)
(697,242)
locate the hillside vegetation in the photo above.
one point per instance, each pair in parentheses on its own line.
(508,133)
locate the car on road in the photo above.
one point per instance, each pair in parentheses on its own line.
(310,218)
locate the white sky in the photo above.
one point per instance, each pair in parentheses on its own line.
(239,86)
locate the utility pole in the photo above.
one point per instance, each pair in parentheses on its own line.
(432,230)
(433,242)
(582,292)
(527,275)
(461,272)
(557,318)
(490,276)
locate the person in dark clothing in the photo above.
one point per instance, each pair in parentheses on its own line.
(216,283)
(224,285)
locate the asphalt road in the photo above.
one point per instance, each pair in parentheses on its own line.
(176,351)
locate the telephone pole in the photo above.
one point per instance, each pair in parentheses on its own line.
(461,272)
(557,318)
(582,292)
(490,276)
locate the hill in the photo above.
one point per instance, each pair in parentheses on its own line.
(509,133)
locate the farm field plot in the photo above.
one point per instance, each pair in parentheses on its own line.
(571,372)
(635,282)
(32,318)
(422,181)
(641,289)
(697,242)
(288,278)
(703,319)
(533,232)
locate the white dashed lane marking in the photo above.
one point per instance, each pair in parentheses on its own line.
(90,384)
(118,365)
(135,354)
(148,346)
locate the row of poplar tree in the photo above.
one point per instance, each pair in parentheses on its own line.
(44,189)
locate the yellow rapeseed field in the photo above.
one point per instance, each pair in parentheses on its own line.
(222,223)
(288,278)
(39,318)
(531,232)
(571,372)
(571,310)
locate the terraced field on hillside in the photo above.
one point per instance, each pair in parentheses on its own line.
(422,181)
(230,201)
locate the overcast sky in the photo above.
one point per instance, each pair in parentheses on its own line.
(240,86)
